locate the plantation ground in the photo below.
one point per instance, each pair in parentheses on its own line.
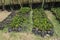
(23,36)
(30,36)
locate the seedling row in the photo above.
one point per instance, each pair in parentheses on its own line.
(42,25)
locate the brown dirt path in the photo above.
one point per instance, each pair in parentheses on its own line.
(52,18)
(4,15)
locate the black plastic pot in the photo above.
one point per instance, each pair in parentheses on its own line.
(19,29)
(39,32)
(15,29)
(33,30)
(1,27)
(43,33)
(10,29)
(50,32)
(36,31)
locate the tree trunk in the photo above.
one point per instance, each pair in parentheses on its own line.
(53,3)
(11,5)
(20,3)
(30,4)
(3,8)
(42,3)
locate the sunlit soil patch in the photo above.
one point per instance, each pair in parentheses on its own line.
(4,15)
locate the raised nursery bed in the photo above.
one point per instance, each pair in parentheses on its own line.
(20,21)
(42,25)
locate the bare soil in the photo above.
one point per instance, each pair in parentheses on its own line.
(4,15)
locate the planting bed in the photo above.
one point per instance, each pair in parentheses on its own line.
(7,20)
(42,25)
(20,21)
(56,12)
